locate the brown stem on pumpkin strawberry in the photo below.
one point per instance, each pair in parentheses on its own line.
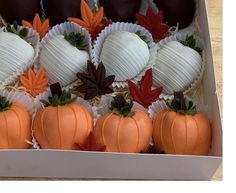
(180,96)
(4,104)
(56,89)
(122,107)
(182,105)
(59,97)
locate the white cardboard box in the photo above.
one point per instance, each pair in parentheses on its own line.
(89,165)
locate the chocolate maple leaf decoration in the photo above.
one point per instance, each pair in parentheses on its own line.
(34,83)
(95,82)
(153,23)
(90,145)
(143,93)
(91,21)
(38,25)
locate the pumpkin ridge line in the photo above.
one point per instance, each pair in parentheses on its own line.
(42,128)
(103,126)
(210,134)
(117,136)
(32,126)
(19,124)
(59,130)
(186,133)
(86,117)
(31,119)
(138,129)
(172,131)
(195,146)
(76,121)
(154,123)
(161,128)
(7,128)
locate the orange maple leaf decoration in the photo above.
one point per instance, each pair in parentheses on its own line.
(34,83)
(41,27)
(93,22)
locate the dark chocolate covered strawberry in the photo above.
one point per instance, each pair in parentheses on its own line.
(17,10)
(59,10)
(121,10)
(177,11)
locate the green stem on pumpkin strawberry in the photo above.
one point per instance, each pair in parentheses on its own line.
(59,97)
(122,107)
(4,104)
(182,105)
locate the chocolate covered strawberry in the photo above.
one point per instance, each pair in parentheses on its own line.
(59,10)
(17,10)
(177,11)
(122,10)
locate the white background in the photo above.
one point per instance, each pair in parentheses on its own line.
(229,128)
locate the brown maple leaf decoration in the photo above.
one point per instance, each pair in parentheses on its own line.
(90,145)
(95,82)
(143,93)
(34,83)
(153,23)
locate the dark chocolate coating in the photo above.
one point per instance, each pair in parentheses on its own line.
(121,10)
(16,10)
(59,10)
(177,11)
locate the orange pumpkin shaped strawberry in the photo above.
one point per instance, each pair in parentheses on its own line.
(124,130)
(90,145)
(62,123)
(181,129)
(15,125)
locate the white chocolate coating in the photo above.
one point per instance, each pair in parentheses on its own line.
(62,61)
(14,53)
(124,55)
(177,66)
